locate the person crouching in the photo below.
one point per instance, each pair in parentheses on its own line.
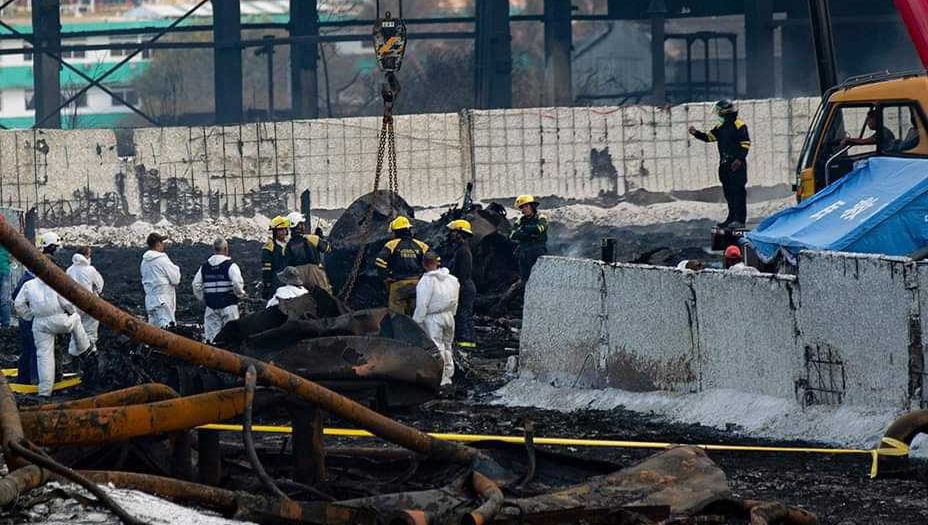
(436,304)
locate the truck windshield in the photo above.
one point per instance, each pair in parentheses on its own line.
(808,147)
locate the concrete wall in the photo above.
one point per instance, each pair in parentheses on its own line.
(859,308)
(847,330)
(186,173)
(748,332)
(575,332)
(638,357)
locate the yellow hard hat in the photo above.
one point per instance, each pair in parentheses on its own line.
(522,200)
(279,223)
(460,225)
(400,223)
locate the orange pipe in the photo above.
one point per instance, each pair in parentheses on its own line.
(175,490)
(11,428)
(223,360)
(134,395)
(493,501)
(94,426)
(19,481)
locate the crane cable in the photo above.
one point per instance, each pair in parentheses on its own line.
(389,48)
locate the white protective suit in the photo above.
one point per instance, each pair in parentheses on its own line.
(88,277)
(743,269)
(436,304)
(159,278)
(51,315)
(215,319)
(287,291)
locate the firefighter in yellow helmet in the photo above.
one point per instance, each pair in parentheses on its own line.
(305,252)
(274,255)
(530,232)
(400,265)
(460,262)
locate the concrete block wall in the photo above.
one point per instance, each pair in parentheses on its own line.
(574,332)
(859,308)
(186,173)
(638,357)
(848,330)
(748,332)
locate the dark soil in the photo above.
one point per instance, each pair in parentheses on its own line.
(837,488)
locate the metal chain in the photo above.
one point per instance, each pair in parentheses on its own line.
(391,154)
(386,134)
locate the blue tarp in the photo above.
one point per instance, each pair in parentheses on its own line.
(879,207)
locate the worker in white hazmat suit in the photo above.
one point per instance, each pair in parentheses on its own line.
(291,281)
(51,315)
(436,304)
(220,285)
(83,272)
(160,277)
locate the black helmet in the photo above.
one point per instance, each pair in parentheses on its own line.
(725,107)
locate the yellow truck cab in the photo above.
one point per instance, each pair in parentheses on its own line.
(883,114)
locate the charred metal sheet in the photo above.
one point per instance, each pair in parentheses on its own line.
(363,322)
(235,332)
(682,478)
(317,304)
(363,357)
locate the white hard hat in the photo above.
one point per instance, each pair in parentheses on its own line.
(48,239)
(296,218)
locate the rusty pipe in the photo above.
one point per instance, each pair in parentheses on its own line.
(134,395)
(223,360)
(903,429)
(492,501)
(907,426)
(410,517)
(769,512)
(94,426)
(11,427)
(19,481)
(175,490)
(238,504)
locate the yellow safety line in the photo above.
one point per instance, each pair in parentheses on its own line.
(11,372)
(34,389)
(896,448)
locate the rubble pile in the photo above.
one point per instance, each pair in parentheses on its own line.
(149,433)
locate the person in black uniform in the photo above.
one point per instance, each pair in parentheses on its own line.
(734,143)
(274,256)
(460,262)
(305,251)
(400,265)
(531,233)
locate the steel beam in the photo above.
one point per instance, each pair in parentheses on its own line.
(658,12)
(308,447)
(209,458)
(46,80)
(227,61)
(112,69)
(304,78)
(758,26)
(493,55)
(558,41)
(824,42)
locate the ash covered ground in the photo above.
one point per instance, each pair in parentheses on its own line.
(837,488)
